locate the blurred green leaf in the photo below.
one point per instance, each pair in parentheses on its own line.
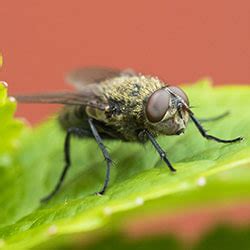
(225,237)
(221,237)
(10,130)
(203,171)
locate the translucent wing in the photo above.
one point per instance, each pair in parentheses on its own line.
(86,82)
(70,98)
(85,76)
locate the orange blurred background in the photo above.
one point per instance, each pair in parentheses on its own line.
(180,41)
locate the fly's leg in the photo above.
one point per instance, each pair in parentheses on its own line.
(211,137)
(105,154)
(76,131)
(160,151)
(215,118)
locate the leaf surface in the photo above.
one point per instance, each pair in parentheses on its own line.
(31,162)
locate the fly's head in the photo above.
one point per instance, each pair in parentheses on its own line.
(167,111)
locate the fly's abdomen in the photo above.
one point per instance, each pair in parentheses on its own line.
(73,116)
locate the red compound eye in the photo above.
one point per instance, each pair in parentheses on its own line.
(179,92)
(157,106)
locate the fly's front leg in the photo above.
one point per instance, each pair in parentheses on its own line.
(105,154)
(76,131)
(160,151)
(215,118)
(211,137)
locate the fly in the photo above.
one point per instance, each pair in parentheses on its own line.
(119,105)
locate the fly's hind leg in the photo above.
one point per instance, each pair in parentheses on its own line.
(215,118)
(78,132)
(105,154)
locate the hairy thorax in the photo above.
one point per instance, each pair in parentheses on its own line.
(127,97)
(124,115)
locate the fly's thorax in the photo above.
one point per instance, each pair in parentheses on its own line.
(126,96)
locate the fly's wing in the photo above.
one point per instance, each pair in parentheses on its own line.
(86,98)
(90,75)
(86,82)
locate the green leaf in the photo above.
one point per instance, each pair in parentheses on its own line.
(138,177)
(10,129)
(221,237)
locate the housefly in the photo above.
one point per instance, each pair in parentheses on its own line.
(119,104)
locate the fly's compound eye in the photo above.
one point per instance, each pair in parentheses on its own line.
(179,92)
(157,105)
